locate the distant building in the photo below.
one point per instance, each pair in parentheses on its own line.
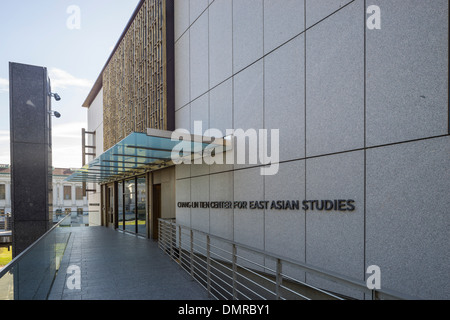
(67,196)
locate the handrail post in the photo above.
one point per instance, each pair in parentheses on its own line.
(208,264)
(279,279)
(234,258)
(180,247)
(375,295)
(160,226)
(171,239)
(192,253)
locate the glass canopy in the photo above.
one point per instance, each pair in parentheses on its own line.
(142,152)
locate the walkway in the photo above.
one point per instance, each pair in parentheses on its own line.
(118,266)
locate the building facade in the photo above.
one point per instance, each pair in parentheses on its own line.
(354,100)
(67,196)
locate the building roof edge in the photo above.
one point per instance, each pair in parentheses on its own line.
(99,82)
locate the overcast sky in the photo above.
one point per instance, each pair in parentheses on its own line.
(44,33)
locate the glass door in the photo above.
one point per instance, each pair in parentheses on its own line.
(130,205)
(121,216)
(141,206)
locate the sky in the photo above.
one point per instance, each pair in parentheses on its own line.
(73,40)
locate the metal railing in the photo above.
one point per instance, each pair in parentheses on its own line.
(5,221)
(75,219)
(30,275)
(232,271)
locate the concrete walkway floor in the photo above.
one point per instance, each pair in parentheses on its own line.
(119,266)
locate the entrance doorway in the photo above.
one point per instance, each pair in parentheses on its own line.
(156,212)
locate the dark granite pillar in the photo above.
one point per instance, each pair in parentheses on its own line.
(31,154)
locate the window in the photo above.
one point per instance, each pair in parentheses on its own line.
(67,193)
(79,193)
(130,205)
(2,192)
